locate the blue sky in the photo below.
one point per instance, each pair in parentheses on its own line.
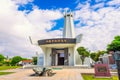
(70,5)
(51,4)
(55,4)
(97,20)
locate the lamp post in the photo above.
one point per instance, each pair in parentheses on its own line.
(117,61)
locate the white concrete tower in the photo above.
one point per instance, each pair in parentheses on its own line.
(68,31)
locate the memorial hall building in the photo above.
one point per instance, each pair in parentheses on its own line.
(62,51)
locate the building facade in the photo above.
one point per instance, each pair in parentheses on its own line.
(62,51)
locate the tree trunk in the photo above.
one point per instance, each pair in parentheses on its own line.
(82,58)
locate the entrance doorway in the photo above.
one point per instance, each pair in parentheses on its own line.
(59,57)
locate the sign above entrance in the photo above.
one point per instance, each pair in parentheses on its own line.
(57,41)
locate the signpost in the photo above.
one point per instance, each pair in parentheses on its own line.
(102,70)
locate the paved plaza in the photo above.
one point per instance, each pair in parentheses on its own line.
(63,74)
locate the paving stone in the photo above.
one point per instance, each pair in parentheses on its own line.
(63,74)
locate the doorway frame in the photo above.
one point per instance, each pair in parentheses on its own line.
(54,53)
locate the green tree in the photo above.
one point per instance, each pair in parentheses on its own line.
(83,52)
(93,55)
(34,60)
(98,53)
(25,59)
(15,60)
(7,62)
(114,45)
(1,58)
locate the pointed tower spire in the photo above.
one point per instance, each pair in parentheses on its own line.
(65,11)
(68,31)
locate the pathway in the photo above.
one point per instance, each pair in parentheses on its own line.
(64,74)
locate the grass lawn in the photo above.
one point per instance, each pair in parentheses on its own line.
(57,68)
(5,73)
(91,77)
(8,67)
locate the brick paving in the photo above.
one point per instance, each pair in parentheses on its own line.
(63,74)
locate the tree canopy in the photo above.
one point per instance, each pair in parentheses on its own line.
(95,55)
(34,60)
(15,60)
(1,57)
(83,52)
(114,45)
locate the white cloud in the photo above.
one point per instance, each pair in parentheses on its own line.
(98,0)
(16,26)
(43,19)
(22,1)
(114,2)
(102,26)
(99,5)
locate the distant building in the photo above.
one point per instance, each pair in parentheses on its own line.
(25,62)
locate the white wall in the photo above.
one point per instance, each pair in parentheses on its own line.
(48,57)
(77,57)
(44,51)
(71,56)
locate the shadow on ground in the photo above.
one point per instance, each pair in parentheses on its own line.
(36,75)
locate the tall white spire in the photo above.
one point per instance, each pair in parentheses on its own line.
(68,31)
